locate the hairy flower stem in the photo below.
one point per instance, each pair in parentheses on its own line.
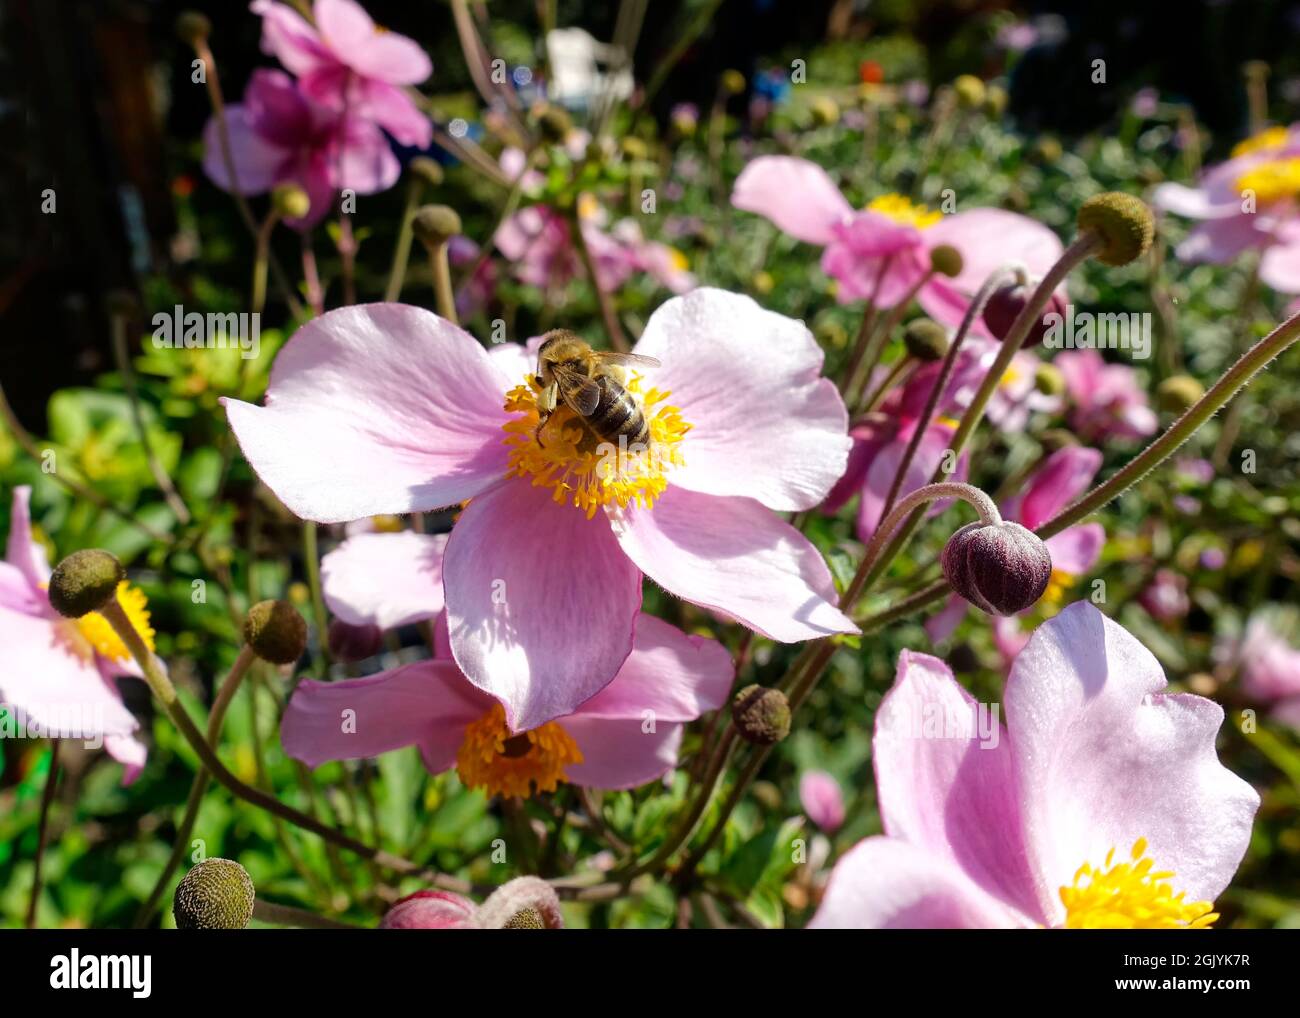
(311,561)
(198,788)
(865,352)
(508,208)
(43,832)
(287,915)
(880,337)
(402,249)
(900,372)
(440,268)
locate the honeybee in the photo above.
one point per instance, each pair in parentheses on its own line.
(590,382)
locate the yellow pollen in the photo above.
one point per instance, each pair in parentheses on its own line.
(493,759)
(1129,896)
(678,260)
(1057,586)
(902,210)
(1272,181)
(1273,137)
(101,635)
(580,468)
(1010,376)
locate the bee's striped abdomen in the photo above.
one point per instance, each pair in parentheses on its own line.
(617,415)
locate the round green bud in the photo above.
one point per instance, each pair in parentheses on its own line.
(1178,393)
(761,715)
(1048,150)
(1048,380)
(969,90)
(1055,439)
(825,111)
(216,894)
(526,919)
(193,27)
(925,339)
(84,582)
(290,201)
(1123,222)
(733,82)
(276,632)
(946,260)
(995,100)
(435,225)
(634,148)
(426,169)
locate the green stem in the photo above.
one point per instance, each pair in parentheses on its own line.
(312,564)
(402,249)
(43,831)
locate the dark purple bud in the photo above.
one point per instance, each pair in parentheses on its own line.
(1000,568)
(1005,305)
(354,643)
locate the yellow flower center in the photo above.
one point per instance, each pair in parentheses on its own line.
(1272,181)
(1057,585)
(493,759)
(1273,137)
(1129,896)
(582,468)
(103,637)
(903,210)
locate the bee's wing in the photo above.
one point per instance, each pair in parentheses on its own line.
(628,359)
(581,393)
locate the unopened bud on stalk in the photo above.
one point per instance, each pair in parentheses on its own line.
(348,642)
(1123,222)
(84,582)
(969,90)
(1005,305)
(1001,568)
(290,201)
(193,27)
(925,339)
(216,894)
(276,632)
(946,260)
(761,715)
(427,170)
(435,225)
(825,111)
(1178,393)
(1048,380)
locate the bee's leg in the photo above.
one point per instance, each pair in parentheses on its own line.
(546,402)
(542,418)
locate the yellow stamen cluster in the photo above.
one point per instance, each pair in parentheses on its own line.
(1058,585)
(1129,896)
(1273,181)
(903,210)
(101,635)
(1273,137)
(580,468)
(493,759)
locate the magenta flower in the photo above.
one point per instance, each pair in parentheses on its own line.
(346,63)
(1165,597)
(891,239)
(57,675)
(1269,668)
(1101,803)
(822,800)
(386,408)
(1246,203)
(523,903)
(1108,401)
(280,136)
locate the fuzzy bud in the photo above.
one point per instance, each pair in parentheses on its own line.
(193,27)
(1178,393)
(1001,568)
(925,339)
(290,201)
(525,919)
(969,90)
(825,111)
(733,82)
(84,582)
(276,632)
(1004,308)
(1048,380)
(427,170)
(946,260)
(348,642)
(435,225)
(761,715)
(1123,222)
(216,894)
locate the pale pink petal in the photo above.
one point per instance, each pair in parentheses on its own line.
(387,580)
(945,779)
(669,676)
(130,752)
(365,161)
(1220,241)
(541,602)
(260,162)
(941,625)
(1104,758)
(21,550)
(822,800)
(621,753)
(765,424)
(426,704)
(1279,267)
(1075,550)
(431,910)
(393,110)
(378,408)
(885,883)
(796,195)
(736,557)
(1064,476)
(288,37)
(931,453)
(1193,202)
(873,235)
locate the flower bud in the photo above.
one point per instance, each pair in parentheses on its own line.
(525,919)
(733,82)
(276,632)
(84,582)
(825,111)
(1123,222)
(435,225)
(925,339)
(1178,393)
(946,260)
(349,642)
(1049,380)
(553,121)
(969,90)
(193,27)
(216,894)
(995,100)
(427,170)
(290,201)
(1048,150)
(634,148)
(1001,568)
(1005,305)
(761,715)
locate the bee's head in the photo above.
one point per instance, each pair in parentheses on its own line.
(558,346)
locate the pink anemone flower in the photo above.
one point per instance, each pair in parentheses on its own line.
(1246,203)
(885,248)
(280,136)
(523,903)
(1269,668)
(386,408)
(350,65)
(57,675)
(1101,803)
(1108,401)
